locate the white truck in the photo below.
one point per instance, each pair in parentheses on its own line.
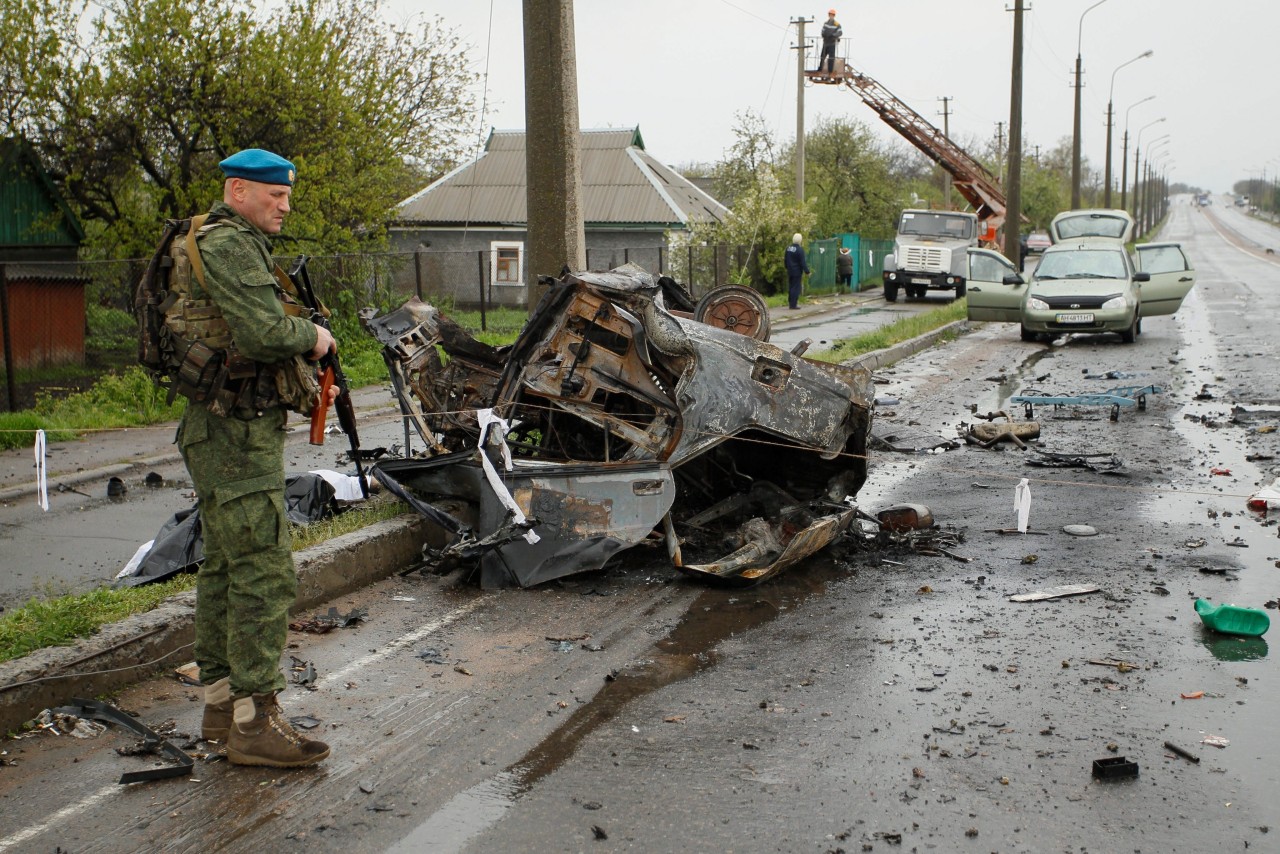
(930,252)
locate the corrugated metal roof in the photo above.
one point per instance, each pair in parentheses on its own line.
(621,183)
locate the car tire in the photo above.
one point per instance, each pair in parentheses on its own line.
(1137,327)
(890,293)
(960,290)
(735,308)
(1130,335)
(1028,335)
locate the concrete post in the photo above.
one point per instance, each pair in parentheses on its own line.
(555,237)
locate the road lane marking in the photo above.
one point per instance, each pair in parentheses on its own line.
(1255,255)
(403,641)
(61,815)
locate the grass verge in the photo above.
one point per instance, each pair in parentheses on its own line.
(63,619)
(886,336)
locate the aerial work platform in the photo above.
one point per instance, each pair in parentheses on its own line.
(974,182)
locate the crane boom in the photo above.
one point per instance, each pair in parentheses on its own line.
(970,178)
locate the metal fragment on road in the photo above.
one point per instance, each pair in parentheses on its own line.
(105,713)
(1055,593)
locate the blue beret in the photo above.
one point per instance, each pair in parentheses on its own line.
(254,164)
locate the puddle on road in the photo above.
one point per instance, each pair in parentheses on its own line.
(714,616)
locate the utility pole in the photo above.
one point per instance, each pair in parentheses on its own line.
(1000,152)
(1124,167)
(554,231)
(946,131)
(1013,187)
(799,49)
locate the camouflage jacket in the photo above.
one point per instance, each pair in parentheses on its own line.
(240,279)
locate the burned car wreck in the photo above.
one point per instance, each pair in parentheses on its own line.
(614,420)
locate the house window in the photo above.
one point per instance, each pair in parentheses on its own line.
(507,263)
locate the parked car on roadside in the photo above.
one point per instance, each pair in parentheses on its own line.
(1100,224)
(1088,285)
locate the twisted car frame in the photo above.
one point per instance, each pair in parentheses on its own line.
(614,420)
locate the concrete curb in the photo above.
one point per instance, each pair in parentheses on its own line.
(904,349)
(122,653)
(327,570)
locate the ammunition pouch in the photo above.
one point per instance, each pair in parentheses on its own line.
(217,378)
(296,386)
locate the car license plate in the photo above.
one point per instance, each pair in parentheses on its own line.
(1076,317)
(919,281)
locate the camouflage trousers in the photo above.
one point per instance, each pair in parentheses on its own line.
(247,582)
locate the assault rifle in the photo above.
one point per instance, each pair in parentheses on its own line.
(331,375)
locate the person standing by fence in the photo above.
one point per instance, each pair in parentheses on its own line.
(797,266)
(844,268)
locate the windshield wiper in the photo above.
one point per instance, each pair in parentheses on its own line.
(1090,276)
(1043,276)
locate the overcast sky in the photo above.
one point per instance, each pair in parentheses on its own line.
(681,69)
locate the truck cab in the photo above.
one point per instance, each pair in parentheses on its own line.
(930,252)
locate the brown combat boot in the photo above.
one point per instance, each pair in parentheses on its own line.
(260,735)
(217,711)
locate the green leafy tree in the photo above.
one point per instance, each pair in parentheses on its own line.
(132,111)
(849,183)
(1044,194)
(763,212)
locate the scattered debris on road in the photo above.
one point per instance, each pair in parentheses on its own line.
(1114,768)
(152,742)
(1055,593)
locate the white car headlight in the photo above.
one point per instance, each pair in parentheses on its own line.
(1037,304)
(1116,302)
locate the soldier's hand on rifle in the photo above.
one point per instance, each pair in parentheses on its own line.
(324,344)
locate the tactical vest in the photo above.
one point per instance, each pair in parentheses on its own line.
(185,342)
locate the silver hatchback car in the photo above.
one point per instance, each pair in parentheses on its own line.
(1088,285)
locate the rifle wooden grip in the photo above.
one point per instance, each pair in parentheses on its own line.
(321,410)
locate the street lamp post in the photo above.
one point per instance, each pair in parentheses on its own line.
(1124,156)
(1137,149)
(1106,193)
(1075,137)
(1155,191)
(1147,198)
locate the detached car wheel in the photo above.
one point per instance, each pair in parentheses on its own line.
(736,308)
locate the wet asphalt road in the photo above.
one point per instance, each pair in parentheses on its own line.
(869,701)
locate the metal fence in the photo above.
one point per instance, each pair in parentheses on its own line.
(868,260)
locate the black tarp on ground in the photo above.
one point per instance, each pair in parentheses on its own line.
(179,545)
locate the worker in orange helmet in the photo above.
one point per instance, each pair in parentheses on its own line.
(831,33)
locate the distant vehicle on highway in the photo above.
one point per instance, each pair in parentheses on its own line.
(1088,285)
(1038,241)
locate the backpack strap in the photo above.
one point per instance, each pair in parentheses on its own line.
(193,251)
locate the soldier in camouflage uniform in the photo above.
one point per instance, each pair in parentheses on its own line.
(236,461)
